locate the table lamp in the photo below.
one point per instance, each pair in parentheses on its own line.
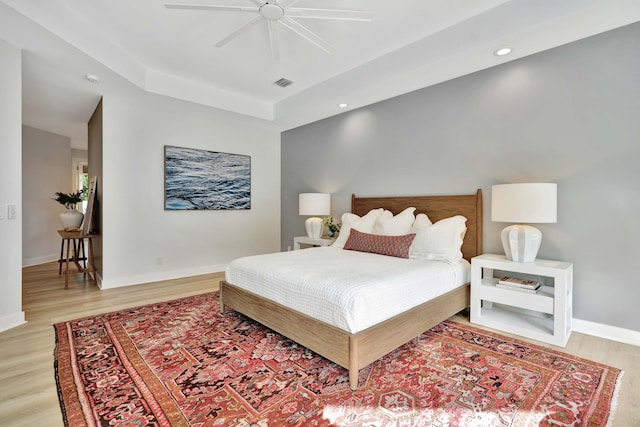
(314,204)
(523,203)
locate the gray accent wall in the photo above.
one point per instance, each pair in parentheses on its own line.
(569,115)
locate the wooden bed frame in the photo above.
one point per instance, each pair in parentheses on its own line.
(355,351)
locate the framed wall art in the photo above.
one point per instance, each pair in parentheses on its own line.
(205,180)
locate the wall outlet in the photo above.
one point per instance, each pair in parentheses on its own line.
(11,211)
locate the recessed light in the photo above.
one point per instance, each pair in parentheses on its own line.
(92,78)
(342,105)
(502,52)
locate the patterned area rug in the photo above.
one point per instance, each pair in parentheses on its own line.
(182,363)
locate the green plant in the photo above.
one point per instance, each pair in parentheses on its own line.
(69,200)
(331,224)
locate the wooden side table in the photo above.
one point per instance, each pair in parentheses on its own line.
(75,239)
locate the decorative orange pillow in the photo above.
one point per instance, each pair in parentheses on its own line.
(397,246)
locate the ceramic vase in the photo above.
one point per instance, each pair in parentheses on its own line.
(71,218)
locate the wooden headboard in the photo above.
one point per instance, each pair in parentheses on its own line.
(436,208)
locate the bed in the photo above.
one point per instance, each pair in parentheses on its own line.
(355,351)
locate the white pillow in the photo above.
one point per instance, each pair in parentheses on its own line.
(363,224)
(419,248)
(421,221)
(440,241)
(399,225)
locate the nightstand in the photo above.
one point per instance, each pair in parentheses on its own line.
(545,316)
(323,241)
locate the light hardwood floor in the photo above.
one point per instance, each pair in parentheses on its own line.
(28,395)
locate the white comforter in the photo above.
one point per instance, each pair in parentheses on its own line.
(347,289)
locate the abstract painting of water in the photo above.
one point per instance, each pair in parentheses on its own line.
(203,180)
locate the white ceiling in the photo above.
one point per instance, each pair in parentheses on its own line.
(409,44)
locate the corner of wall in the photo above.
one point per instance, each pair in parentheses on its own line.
(12,320)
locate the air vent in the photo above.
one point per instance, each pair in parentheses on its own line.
(282,82)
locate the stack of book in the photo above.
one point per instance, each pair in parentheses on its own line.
(522,285)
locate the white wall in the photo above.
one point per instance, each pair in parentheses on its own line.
(46,169)
(141,241)
(11,313)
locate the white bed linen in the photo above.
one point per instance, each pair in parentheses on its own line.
(347,289)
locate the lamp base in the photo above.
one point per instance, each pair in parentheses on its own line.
(521,242)
(314,227)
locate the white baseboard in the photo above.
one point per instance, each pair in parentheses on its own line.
(12,320)
(28,262)
(601,330)
(157,277)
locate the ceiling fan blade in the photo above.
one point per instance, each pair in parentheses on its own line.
(286,3)
(238,30)
(305,33)
(258,2)
(211,7)
(332,14)
(272,27)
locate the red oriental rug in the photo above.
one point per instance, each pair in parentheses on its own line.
(182,363)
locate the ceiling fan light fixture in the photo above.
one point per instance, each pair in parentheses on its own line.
(271,11)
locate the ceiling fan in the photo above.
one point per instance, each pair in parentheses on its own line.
(277,13)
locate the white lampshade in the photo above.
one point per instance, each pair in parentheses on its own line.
(523,203)
(530,203)
(314,204)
